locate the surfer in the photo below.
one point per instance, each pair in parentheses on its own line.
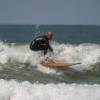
(42,43)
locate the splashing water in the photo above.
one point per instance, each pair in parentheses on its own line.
(87,54)
(12,90)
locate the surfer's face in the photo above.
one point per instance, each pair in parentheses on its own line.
(50,35)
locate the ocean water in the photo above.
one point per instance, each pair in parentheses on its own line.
(23,78)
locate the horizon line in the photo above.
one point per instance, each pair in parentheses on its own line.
(55,24)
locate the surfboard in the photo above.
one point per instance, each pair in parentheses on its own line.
(58,65)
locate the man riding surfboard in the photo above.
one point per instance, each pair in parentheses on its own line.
(41,43)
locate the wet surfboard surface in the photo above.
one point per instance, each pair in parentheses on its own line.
(58,65)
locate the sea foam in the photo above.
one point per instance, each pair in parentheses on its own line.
(13,90)
(87,54)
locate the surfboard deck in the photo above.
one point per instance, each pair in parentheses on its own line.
(58,65)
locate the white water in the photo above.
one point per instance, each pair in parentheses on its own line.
(12,90)
(87,54)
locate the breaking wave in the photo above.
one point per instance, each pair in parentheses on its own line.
(87,54)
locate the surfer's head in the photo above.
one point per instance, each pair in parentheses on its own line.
(50,35)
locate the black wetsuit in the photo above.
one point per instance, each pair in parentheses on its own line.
(41,43)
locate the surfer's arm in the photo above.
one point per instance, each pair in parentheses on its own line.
(48,45)
(50,48)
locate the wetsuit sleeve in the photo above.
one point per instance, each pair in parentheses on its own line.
(50,48)
(48,44)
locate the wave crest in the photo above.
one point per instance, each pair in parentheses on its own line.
(87,54)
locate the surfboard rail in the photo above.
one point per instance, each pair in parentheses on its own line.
(58,65)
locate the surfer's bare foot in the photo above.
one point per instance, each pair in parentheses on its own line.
(48,60)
